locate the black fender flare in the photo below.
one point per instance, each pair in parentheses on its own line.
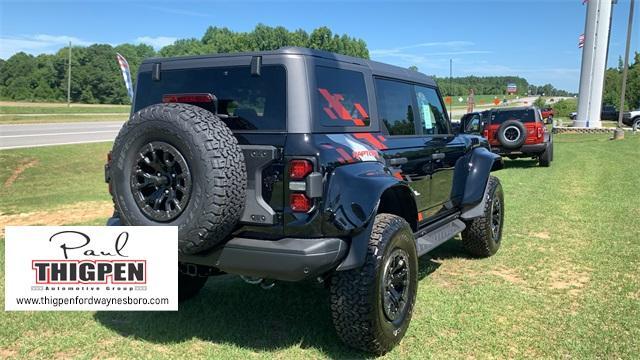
(352,199)
(473,171)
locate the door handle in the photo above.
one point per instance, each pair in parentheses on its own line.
(438,156)
(398,161)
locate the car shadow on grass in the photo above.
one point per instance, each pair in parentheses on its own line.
(229,311)
(520,163)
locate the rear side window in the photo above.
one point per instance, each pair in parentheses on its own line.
(250,102)
(395,106)
(341,97)
(526,115)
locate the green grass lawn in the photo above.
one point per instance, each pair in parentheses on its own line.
(52,176)
(566,282)
(26,113)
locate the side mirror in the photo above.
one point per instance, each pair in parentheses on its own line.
(549,120)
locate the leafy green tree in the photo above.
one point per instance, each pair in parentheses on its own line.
(613,84)
(540,102)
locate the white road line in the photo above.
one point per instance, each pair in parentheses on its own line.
(53,134)
(53,144)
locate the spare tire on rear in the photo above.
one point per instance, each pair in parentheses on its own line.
(178,164)
(512,134)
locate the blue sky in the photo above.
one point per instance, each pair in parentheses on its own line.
(533,39)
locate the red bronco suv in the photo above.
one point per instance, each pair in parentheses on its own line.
(516,132)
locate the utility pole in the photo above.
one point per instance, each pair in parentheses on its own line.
(69,79)
(619,134)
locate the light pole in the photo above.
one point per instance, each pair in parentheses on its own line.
(619,134)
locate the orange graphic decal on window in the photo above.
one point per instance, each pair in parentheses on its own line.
(336,108)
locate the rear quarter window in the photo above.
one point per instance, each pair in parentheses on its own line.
(341,98)
(526,116)
(249,102)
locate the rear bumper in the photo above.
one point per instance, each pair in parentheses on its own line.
(287,259)
(523,150)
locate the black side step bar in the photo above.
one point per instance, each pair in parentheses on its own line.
(430,239)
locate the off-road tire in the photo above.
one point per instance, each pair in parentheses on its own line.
(357,295)
(635,124)
(546,157)
(216,164)
(478,237)
(189,286)
(516,143)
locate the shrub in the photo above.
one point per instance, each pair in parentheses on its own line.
(565,107)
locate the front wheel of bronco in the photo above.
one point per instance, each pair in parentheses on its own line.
(371,306)
(483,235)
(189,286)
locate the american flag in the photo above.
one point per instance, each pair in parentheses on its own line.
(581,41)
(126,74)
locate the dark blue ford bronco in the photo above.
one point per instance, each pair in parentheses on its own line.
(296,164)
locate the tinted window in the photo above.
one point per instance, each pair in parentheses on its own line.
(501,116)
(341,97)
(251,102)
(395,106)
(472,123)
(432,113)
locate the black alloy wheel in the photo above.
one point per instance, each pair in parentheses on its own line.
(160,181)
(512,134)
(496,218)
(395,285)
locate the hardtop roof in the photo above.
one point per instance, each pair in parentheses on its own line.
(377,68)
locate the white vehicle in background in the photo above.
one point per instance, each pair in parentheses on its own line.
(632,118)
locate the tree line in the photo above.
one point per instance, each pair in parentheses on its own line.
(613,84)
(96,77)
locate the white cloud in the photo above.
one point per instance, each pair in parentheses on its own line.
(36,44)
(157,42)
(427,55)
(179,11)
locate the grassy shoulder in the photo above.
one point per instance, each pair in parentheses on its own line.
(14,107)
(44,178)
(564,284)
(33,113)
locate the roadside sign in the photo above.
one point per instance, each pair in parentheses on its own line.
(496,101)
(447,100)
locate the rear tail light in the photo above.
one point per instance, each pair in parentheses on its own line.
(540,131)
(299,202)
(299,169)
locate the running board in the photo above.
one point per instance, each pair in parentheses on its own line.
(436,237)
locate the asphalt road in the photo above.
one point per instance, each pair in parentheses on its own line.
(32,135)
